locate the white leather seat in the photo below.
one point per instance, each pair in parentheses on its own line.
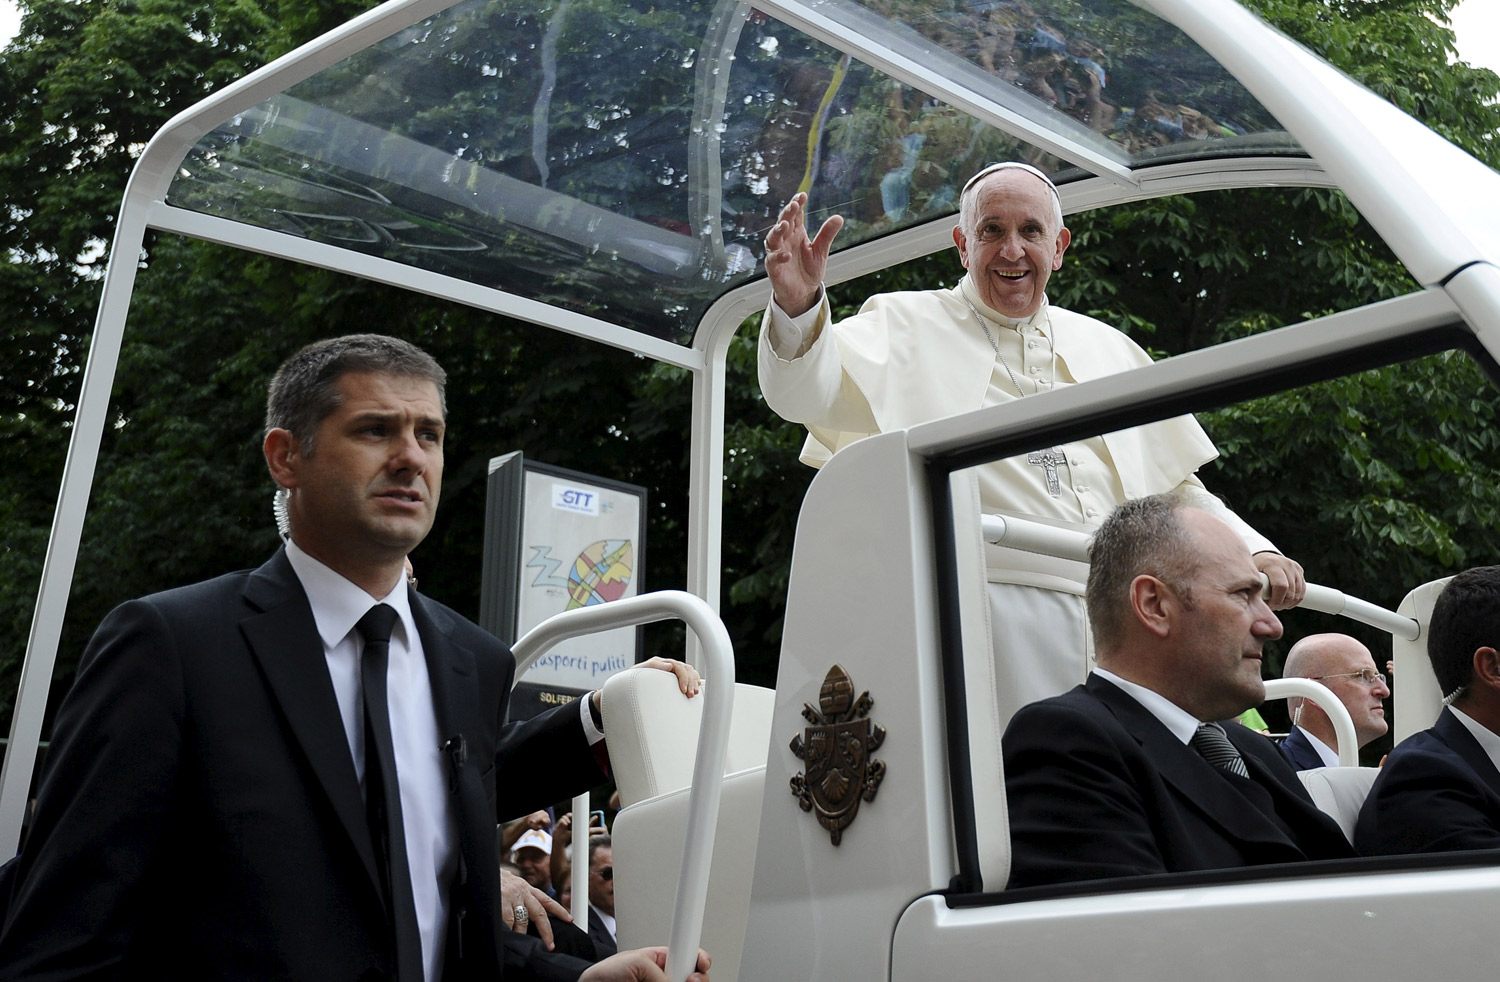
(1340,792)
(1337,791)
(652,732)
(1418,700)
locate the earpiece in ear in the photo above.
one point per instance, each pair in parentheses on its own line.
(279,512)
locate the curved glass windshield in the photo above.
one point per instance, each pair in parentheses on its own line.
(623,159)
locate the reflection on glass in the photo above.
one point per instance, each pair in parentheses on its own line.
(1105,64)
(623,159)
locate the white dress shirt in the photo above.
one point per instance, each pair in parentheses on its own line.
(430,825)
(1329,756)
(1179,721)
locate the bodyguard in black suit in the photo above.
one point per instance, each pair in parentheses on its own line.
(604,942)
(1439,790)
(214,804)
(1121,776)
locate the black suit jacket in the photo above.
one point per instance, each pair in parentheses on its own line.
(1098,787)
(200,817)
(604,942)
(1302,755)
(1438,791)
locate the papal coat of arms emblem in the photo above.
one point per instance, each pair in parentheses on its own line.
(837,748)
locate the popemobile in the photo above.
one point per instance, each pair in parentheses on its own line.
(602,169)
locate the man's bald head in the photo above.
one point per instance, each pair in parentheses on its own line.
(1348,669)
(1311,656)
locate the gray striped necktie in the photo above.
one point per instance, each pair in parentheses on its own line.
(1213,744)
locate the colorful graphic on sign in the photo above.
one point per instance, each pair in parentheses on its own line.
(579,549)
(601,573)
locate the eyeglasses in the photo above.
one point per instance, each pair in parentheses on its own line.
(606,873)
(1365,675)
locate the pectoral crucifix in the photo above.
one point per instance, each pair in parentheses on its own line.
(1048,460)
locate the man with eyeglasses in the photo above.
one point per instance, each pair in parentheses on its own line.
(1439,790)
(1347,668)
(993,338)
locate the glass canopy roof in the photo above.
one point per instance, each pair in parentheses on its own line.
(624,158)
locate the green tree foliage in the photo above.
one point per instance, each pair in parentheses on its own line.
(1378,481)
(82,87)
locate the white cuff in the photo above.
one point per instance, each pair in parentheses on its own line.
(592,732)
(786,333)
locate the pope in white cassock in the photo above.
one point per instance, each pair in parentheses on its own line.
(907,358)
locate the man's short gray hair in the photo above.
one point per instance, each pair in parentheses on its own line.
(304,390)
(1147,536)
(968,200)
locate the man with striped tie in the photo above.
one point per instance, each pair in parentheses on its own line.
(1134,772)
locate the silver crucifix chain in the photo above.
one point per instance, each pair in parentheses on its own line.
(1047,460)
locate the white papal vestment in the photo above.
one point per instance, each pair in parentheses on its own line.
(908,358)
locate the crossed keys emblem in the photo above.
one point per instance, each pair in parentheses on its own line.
(837,748)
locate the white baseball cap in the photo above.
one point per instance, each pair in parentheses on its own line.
(533,839)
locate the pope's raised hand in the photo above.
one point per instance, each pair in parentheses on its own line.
(795,263)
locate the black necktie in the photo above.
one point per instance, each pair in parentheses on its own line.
(383,793)
(1213,744)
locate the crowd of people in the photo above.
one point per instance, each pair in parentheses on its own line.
(539,856)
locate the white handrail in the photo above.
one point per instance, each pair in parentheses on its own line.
(1044,540)
(713,740)
(1049,540)
(1330,601)
(1343,724)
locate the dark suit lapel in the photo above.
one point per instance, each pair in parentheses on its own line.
(456,702)
(1457,736)
(455,690)
(1271,770)
(1194,779)
(1299,752)
(284,639)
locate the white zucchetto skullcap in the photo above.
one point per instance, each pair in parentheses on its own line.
(1010,165)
